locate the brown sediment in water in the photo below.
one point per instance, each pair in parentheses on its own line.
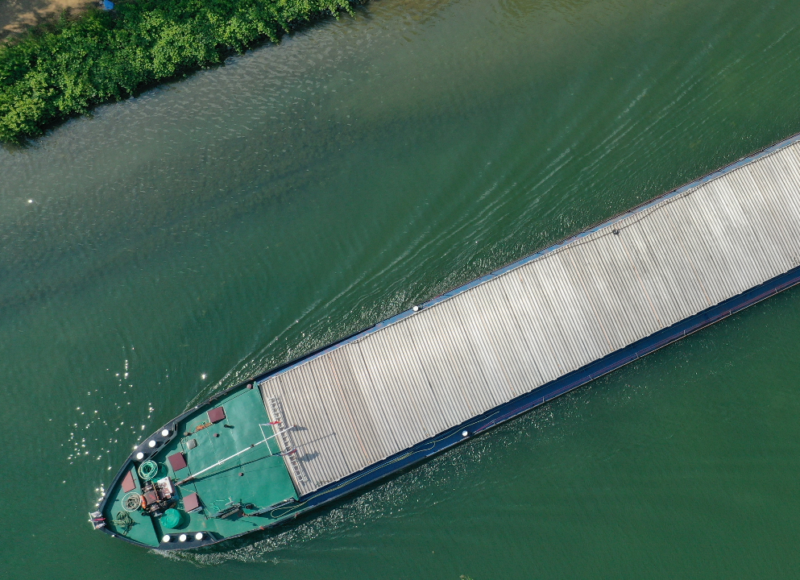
(18,15)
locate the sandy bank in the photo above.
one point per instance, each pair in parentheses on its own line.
(16,15)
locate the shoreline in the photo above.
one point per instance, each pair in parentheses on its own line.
(66,66)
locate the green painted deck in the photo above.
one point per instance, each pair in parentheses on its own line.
(143,530)
(258,476)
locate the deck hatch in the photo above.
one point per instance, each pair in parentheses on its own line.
(177,461)
(128,484)
(216,415)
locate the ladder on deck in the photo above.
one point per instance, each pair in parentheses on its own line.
(296,470)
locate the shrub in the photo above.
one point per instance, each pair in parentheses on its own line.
(67,66)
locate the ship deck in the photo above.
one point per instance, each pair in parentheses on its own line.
(257,477)
(415,376)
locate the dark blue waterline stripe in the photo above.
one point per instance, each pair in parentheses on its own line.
(539,396)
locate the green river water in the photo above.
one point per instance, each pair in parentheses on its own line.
(220,225)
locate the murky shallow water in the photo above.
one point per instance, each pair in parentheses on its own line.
(226,223)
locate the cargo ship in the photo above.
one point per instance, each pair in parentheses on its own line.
(300,436)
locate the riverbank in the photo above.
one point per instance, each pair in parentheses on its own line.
(64,67)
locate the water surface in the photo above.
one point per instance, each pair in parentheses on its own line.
(226,223)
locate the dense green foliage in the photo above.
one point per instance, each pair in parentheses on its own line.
(68,66)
